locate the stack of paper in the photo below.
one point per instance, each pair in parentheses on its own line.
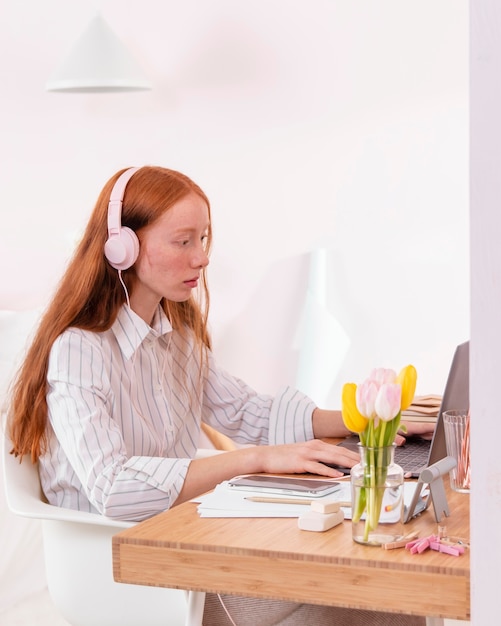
(423,409)
(229,502)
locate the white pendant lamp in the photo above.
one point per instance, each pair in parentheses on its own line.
(98,62)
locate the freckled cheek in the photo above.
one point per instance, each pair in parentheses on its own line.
(157,260)
(170,264)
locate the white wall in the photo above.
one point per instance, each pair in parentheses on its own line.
(308,123)
(311,123)
(485,64)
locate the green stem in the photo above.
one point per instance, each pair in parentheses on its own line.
(375,458)
(375,472)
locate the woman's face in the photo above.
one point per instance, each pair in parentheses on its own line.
(172,255)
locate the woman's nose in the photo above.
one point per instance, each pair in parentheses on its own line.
(201,258)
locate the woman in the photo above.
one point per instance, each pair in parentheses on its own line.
(120,375)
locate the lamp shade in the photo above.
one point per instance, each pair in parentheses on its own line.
(98,62)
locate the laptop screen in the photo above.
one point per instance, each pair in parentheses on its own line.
(419,453)
(456,397)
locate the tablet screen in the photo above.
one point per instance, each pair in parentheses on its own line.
(309,487)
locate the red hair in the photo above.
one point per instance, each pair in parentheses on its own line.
(90,295)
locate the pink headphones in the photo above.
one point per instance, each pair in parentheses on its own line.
(122,246)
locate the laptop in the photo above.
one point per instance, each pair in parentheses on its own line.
(418,453)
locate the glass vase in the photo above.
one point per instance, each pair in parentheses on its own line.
(377,491)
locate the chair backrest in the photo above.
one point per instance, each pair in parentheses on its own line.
(24,494)
(22,484)
(78,559)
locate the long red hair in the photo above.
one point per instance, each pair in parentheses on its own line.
(90,294)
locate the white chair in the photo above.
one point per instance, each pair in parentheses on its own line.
(78,560)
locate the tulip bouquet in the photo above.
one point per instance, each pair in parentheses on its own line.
(373,410)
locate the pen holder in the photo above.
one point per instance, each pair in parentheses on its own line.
(457,439)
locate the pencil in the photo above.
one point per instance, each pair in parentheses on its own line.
(290,501)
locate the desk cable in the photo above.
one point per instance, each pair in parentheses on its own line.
(225,609)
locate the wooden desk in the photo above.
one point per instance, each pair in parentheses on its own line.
(272,558)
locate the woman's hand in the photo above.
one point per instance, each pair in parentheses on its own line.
(415,429)
(312,457)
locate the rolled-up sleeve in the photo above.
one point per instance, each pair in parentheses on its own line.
(238,411)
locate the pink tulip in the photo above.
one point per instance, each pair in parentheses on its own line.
(387,402)
(381,376)
(366,398)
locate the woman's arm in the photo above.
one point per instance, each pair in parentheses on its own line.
(306,457)
(309,457)
(330,424)
(421,429)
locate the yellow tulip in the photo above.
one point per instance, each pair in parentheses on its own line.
(407,380)
(352,418)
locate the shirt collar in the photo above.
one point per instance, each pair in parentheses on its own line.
(131,330)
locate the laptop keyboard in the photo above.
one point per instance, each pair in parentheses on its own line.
(412,457)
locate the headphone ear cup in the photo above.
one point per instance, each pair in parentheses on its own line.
(122,249)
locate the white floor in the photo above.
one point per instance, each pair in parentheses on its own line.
(39,611)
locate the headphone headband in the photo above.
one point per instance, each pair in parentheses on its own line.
(122,246)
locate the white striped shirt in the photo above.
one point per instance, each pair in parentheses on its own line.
(125,408)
